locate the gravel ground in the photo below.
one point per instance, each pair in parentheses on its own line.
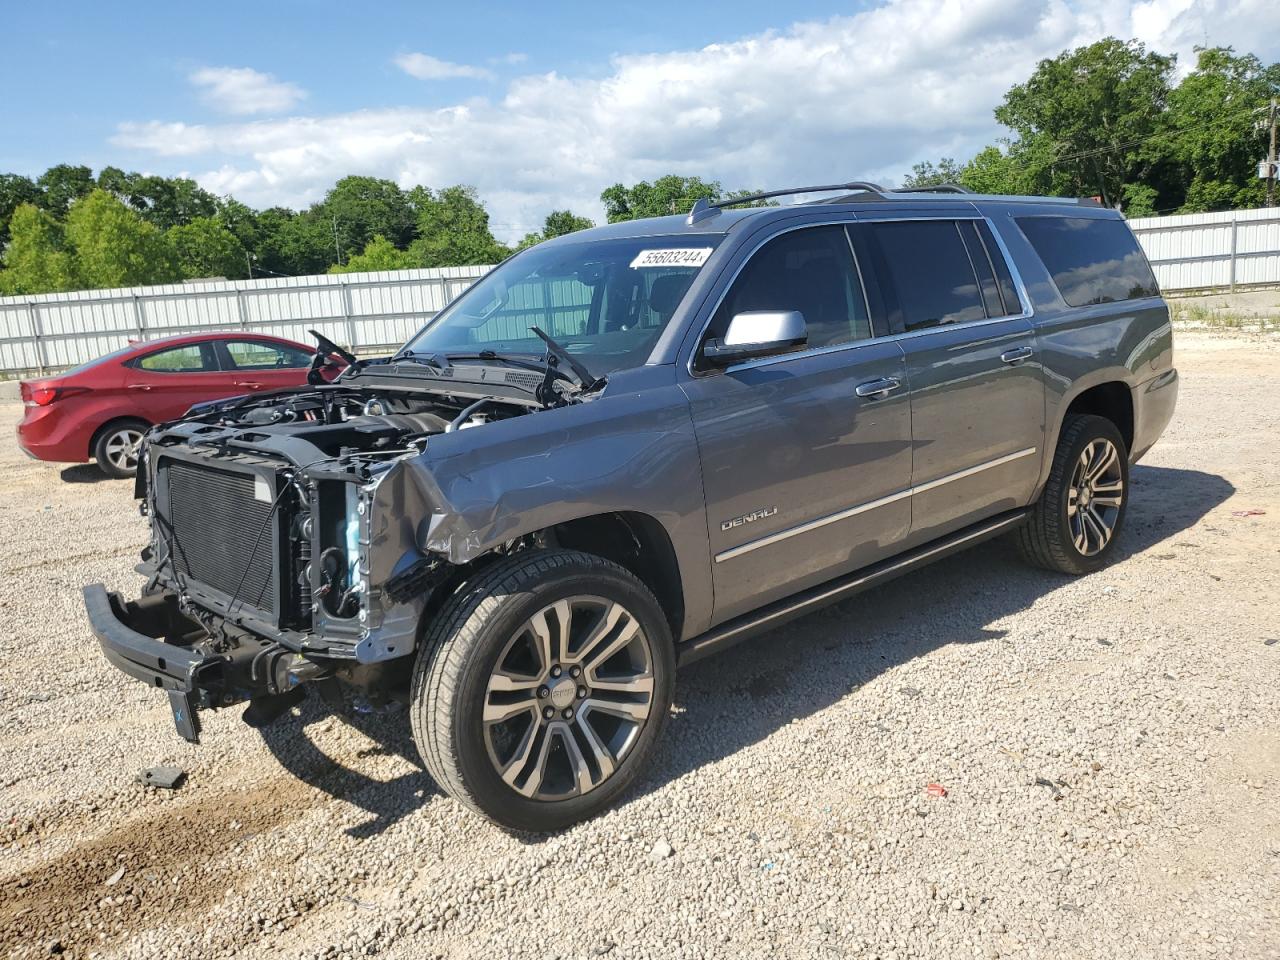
(1109,747)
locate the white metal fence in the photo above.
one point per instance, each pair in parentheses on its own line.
(1212,251)
(1201,251)
(365,310)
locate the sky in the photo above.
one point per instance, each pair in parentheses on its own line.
(541,106)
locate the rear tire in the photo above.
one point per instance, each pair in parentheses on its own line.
(1074,525)
(541,688)
(116,447)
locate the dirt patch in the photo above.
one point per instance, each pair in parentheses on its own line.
(177,861)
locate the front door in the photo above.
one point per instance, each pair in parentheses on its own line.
(977,391)
(804,479)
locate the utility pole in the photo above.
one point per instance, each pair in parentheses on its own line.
(336,249)
(1271,158)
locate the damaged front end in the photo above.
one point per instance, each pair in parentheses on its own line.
(290,545)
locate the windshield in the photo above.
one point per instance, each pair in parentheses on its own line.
(605,301)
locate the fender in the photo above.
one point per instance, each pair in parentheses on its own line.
(631,449)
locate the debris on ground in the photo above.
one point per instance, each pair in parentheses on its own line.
(167,778)
(115,877)
(1248,513)
(935,790)
(661,850)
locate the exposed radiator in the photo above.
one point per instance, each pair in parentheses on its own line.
(216,519)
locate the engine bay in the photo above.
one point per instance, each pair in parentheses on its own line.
(342,421)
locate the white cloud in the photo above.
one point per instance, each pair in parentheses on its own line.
(426,67)
(863,96)
(243,90)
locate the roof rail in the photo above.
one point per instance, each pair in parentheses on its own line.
(935,188)
(705,209)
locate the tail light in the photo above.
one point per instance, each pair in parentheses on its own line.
(42,396)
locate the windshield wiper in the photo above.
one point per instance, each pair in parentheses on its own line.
(585,379)
(427,359)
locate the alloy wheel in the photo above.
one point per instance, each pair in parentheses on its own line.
(122,448)
(568,697)
(1095,497)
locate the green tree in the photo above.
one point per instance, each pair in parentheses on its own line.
(453,229)
(115,247)
(360,208)
(15,190)
(557,224)
(63,185)
(928,174)
(1213,140)
(206,248)
(379,254)
(36,259)
(665,196)
(1097,106)
(170,202)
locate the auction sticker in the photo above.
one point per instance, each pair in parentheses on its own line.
(679,257)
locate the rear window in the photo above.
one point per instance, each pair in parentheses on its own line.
(1092,261)
(931,272)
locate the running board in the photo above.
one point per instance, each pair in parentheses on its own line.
(841,588)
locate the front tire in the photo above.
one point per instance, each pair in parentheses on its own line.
(1074,525)
(541,688)
(116,447)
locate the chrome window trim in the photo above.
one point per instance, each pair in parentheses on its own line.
(911,491)
(1028,311)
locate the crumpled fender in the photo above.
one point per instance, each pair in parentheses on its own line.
(630,450)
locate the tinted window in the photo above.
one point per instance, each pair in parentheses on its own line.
(189,359)
(811,271)
(982,266)
(1092,261)
(1004,279)
(259,355)
(930,270)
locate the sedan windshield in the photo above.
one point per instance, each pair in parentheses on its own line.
(605,301)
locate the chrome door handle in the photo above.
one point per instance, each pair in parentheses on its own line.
(1016,355)
(139,386)
(875,389)
(248,384)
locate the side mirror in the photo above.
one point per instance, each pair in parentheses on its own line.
(757,333)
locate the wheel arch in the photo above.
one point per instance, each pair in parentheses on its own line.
(637,542)
(1112,400)
(111,422)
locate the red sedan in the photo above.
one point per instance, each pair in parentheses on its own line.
(101,409)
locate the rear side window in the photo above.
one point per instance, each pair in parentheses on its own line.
(931,271)
(1092,261)
(193,358)
(810,270)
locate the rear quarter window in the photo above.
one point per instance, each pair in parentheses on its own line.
(1091,261)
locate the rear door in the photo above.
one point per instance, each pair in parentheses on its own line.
(977,390)
(166,382)
(803,478)
(256,365)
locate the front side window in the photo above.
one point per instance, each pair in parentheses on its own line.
(1092,261)
(260,355)
(811,271)
(606,301)
(931,271)
(192,358)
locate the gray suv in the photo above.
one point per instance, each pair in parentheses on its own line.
(627,448)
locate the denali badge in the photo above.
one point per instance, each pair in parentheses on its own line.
(751,517)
